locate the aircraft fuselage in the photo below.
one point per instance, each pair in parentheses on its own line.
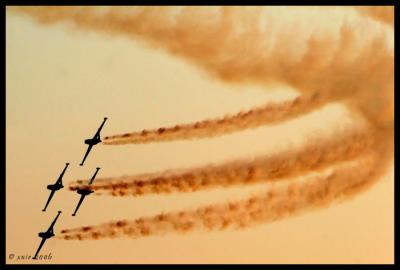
(84,191)
(46,235)
(54,187)
(92,141)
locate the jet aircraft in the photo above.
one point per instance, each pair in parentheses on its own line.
(93,141)
(85,191)
(57,186)
(46,235)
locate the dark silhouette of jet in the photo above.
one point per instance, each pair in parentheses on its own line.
(46,235)
(85,191)
(57,186)
(93,141)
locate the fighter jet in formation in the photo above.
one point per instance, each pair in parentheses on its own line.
(93,141)
(46,235)
(85,191)
(57,186)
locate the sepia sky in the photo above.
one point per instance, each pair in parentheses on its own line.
(60,83)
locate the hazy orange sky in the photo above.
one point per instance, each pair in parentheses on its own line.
(60,83)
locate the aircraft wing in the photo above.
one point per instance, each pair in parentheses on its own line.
(86,154)
(94,176)
(39,248)
(49,199)
(101,126)
(79,204)
(59,180)
(54,222)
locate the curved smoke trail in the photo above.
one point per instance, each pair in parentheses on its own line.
(317,154)
(346,180)
(384,13)
(256,117)
(268,207)
(338,53)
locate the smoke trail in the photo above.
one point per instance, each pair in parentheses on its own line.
(316,154)
(274,205)
(336,51)
(339,53)
(344,182)
(384,14)
(270,113)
